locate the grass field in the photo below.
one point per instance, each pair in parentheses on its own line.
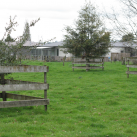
(85,104)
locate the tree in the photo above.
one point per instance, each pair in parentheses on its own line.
(124,22)
(27,31)
(88,37)
(9,50)
(9,39)
(128,37)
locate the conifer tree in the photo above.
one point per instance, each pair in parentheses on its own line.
(128,37)
(26,32)
(88,37)
(9,39)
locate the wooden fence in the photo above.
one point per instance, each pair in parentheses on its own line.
(119,56)
(96,63)
(16,85)
(53,58)
(131,66)
(46,58)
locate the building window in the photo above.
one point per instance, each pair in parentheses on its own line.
(129,50)
(33,51)
(57,52)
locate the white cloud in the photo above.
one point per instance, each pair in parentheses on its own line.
(54,14)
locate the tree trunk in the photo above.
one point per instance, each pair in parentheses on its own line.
(87,65)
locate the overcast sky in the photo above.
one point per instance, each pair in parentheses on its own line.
(54,15)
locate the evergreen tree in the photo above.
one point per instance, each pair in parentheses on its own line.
(9,39)
(26,32)
(88,37)
(128,37)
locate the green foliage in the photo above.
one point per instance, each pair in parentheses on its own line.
(9,39)
(127,37)
(10,49)
(88,37)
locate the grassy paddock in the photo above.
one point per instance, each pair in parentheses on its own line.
(85,104)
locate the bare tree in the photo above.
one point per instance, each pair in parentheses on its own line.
(10,49)
(125,21)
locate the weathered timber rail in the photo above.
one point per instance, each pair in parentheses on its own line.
(96,63)
(131,66)
(18,85)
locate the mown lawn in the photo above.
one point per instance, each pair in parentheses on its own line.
(85,104)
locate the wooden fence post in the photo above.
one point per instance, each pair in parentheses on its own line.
(128,69)
(124,61)
(102,63)
(4,95)
(18,85)
(3,92)
(64,58)
(87,65)
(45,91)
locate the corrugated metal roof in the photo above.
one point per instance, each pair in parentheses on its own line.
(30,43)
(56,44)
(124,44)
(53,44)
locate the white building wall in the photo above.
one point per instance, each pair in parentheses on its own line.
(62,54)
(114,50)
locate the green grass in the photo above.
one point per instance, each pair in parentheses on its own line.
(85,104)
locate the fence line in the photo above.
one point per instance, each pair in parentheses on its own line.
(119,56)
(17,85)
(131,66)
(93,63)
(52,58)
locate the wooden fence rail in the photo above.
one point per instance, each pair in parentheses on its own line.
(131,66)
(96,63)
(17,85)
